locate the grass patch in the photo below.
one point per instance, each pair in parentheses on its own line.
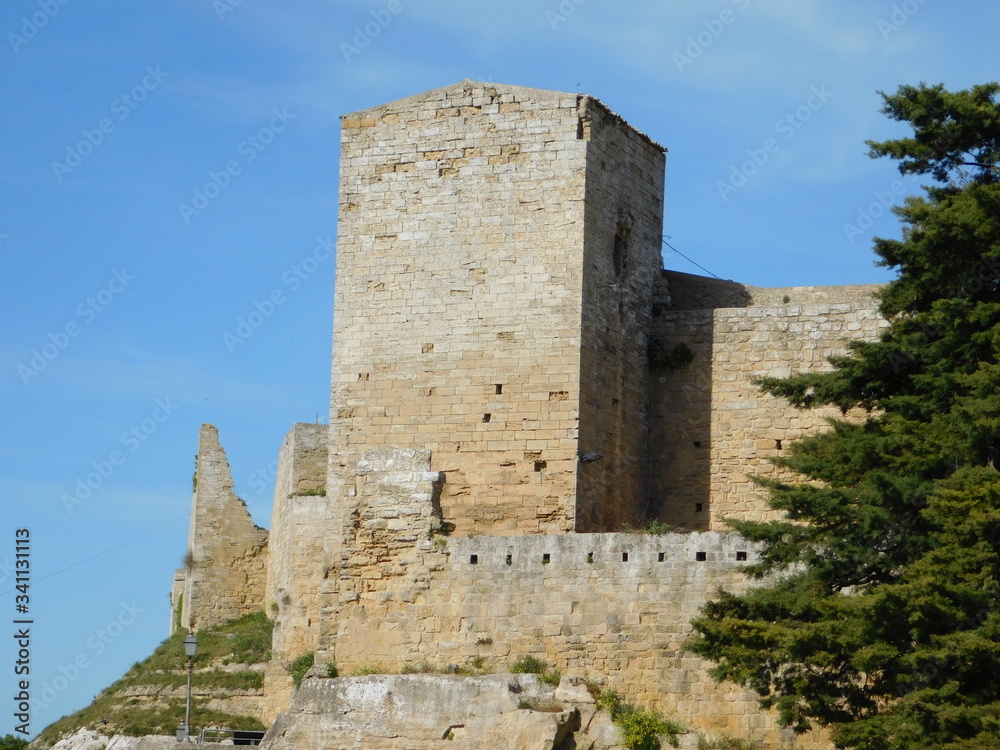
(540,704)
(363,670)
(299,666)
(243,641)
(728,743)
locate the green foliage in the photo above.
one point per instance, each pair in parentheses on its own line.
(421,668)
(308,493)
(665,357)
(528,665)
(331,670)
(658,527)
(299,666)
(882,616)
(10,742)
(640,729)
(243,641)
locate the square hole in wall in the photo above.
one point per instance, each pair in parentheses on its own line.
(486,417)
(474,559)
(698,507)
(590,557)
(741,555)
(539,465)
(498,388)
(661,557)
(777,444)
(700,556)
(624,556)
(546,558)
(510,560)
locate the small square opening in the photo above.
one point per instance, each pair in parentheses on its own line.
(486,417)
(539,465)
(624,556)
(698,507)
(700,556)
(741,555)
(661,557)
(546,558)
(474,559)
(510,560)
(499,388)
(590,557)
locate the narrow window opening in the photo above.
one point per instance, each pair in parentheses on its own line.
(474,559)
(486,417)
(697,443)
(624,556)
(700,556)
(741,555)
(546,558)
(510,559)
(777,444)
(590,557)
(661,557)
(697,507)
(499,388)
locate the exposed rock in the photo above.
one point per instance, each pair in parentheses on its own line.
(393,712)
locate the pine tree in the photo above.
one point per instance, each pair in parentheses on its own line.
(877,613)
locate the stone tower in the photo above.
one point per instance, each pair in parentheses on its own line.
(497,252)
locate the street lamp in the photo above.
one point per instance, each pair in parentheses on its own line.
(190,648)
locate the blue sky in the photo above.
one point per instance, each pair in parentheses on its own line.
(166,167)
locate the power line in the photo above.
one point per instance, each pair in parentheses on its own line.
(99,554)
(691,261)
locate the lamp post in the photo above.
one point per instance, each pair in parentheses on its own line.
(190,647)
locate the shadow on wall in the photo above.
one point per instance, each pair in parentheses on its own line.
(681,408)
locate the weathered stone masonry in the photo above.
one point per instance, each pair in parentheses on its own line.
(498,289)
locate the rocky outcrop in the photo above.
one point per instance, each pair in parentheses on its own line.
(423,711)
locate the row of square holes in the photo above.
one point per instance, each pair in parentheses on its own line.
(741,556)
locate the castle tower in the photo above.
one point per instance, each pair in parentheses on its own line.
(497,251)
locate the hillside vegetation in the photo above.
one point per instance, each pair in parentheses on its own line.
(150,698)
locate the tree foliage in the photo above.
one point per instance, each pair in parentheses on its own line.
(878,612)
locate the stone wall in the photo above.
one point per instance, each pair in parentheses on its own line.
(601,605)
(713,429)
(621,259)
(295,556)
(458,296)
(226,573)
